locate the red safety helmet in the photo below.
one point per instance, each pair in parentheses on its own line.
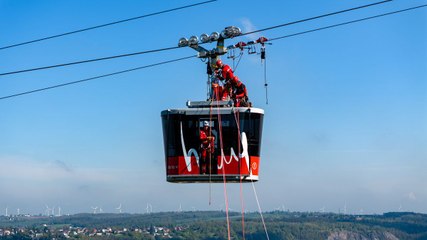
(219,63)
(235,80)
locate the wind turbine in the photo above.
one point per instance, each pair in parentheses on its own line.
(119,208)
(180,208)
(281,208)
(94,209)
(7,215)
(345,207)
(47,210)
(149,208)
(18,212)
(100,210)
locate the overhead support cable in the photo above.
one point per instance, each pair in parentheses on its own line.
(96,77)
(316,17)
(271,39)
(349,22)
(171,48)
(105,25)
(87,61)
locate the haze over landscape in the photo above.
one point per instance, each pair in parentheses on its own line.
(345,127)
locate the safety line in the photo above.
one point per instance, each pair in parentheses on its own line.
(223,165)
(93,78)
(242,202)
(210,159)
(260,211)
(103,25)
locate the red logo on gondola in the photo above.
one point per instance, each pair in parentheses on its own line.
(254,165)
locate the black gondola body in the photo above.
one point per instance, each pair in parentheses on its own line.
(237,145)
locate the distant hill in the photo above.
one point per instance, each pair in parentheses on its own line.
(211,225)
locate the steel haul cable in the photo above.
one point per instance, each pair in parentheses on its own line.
(317,17)
(271,39)
(88,61)
(104,25)
(171,48)
(349,22)
(93,78)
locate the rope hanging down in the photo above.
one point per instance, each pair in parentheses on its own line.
(223,165)
(260,211)
(211,154)
(242,202)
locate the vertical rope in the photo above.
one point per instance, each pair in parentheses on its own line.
(260,211)
(223,166)
(210,157)
(237,118)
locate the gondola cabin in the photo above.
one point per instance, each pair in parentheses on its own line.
(212,142)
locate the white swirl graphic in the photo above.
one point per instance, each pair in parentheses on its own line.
(187,156)
(193,152)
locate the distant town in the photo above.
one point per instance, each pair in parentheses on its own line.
(46,231)
(211,225)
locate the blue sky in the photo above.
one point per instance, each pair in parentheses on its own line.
(346,122)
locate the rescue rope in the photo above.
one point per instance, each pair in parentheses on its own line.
(210,157)
(209,96)
(237,118)
(260,211)
(223,166)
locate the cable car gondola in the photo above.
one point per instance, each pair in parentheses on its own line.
(212,141)
(238,130)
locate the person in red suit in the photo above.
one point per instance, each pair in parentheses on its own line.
(224,73)
(207,147)
(240,93)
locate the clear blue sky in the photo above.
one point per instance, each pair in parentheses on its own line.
(346,122)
